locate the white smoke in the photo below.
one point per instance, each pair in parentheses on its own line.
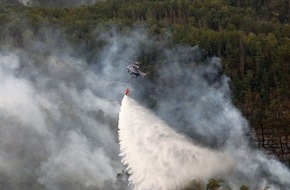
(16,96)
(56,3)
(55,130)
(196,101)
(158,157)
(58,113)
(25,2)
(77,163)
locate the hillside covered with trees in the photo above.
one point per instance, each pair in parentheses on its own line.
(252,38)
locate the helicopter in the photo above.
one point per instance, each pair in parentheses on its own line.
(133,68)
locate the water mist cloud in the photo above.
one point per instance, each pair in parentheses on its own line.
(157,156)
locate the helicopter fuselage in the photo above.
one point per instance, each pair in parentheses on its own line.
(133,69)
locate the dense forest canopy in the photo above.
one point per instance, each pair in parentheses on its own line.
(251,37)
(48,3)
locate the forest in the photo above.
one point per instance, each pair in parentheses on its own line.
(252,38)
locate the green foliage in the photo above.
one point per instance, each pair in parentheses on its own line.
(213,184)
(194,185)
(244,187)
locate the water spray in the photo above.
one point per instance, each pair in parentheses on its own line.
(159,158)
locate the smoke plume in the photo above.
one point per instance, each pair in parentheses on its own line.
(196,101)
(59,112)
(56,3)
(57,128)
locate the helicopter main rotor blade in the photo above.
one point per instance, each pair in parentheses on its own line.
(126,59)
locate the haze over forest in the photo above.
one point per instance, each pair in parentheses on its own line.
(63,79)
